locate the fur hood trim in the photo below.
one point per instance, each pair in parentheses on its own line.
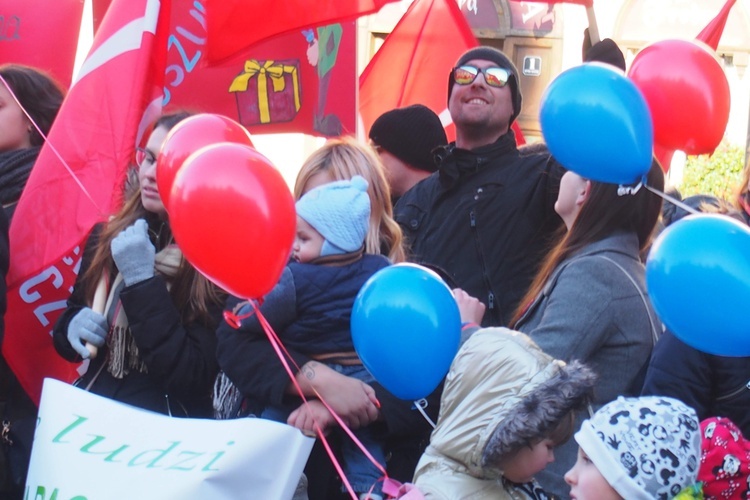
(540,411)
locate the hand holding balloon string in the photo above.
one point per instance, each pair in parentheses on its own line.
(353,400)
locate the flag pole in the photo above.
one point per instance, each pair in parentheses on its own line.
(593,27)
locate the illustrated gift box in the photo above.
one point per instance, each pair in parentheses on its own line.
(267,91)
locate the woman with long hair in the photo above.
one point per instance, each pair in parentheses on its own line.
(341,159)
(29,98)
(156,335)
(588,301)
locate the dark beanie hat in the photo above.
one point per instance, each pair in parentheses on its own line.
(606,51)
(410,134)
(492,54)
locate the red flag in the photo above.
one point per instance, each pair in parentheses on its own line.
(118,92)
(41,34)
(235,25)
(412,65)
(587,3)
(711,34)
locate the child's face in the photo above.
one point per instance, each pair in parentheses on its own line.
(307,242)
(587,483)
(523,466)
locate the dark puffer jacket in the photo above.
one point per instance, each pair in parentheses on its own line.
(486,219)
(714,386)
(180,357)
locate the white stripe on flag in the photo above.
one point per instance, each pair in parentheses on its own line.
(125,39)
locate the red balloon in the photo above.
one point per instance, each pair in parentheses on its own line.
(687,93)
(187,137)
(233,216)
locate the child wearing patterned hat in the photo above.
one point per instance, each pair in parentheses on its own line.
(725,460)
(310,309)
(639,449)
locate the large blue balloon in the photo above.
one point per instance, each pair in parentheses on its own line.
(596,123)
(406,329)
(698,279)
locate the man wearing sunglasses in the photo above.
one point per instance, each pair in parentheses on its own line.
(487,215)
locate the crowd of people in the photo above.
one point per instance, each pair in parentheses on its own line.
(565,385)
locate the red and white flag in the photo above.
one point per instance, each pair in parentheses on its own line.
(77,180)
(413,64)
(235,25)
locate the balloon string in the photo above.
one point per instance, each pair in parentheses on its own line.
(420,407)
(279,347)
(672,200)
(52,147)
(235,320)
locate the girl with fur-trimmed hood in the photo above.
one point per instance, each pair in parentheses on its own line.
(505,406)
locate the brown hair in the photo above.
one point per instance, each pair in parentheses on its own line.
(603,213)
(38,93)
(741,190)
(564,429)
(191,292)
(344,158)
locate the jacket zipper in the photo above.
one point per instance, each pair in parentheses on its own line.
(734,393)
(485,276)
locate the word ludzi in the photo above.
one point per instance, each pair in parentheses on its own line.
(173,456)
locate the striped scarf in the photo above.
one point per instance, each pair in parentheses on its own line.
(123,355)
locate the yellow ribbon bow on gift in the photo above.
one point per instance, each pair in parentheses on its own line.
(269,69)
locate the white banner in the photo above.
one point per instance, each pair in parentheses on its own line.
(87,447)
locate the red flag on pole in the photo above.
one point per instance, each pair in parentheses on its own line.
(41,34)
(77,180)
(412,65)
(711,34)
(235,25)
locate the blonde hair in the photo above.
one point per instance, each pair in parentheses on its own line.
(343,158)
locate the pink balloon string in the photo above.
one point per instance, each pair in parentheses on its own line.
(235,320)
(52,147)
(283,355)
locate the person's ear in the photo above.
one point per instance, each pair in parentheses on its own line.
(584,193)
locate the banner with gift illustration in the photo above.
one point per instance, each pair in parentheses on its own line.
(88,447)
(259,102)
(323,92)
(303,81)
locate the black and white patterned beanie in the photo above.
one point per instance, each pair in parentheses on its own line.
(646,448)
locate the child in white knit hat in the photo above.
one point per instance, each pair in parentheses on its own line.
(310,310)
(638,449)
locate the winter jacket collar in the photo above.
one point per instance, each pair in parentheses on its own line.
(455,162)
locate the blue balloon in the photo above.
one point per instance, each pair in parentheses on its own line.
(698,279)
(596,123)
(406,328)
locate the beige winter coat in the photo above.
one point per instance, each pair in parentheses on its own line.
(492,373)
